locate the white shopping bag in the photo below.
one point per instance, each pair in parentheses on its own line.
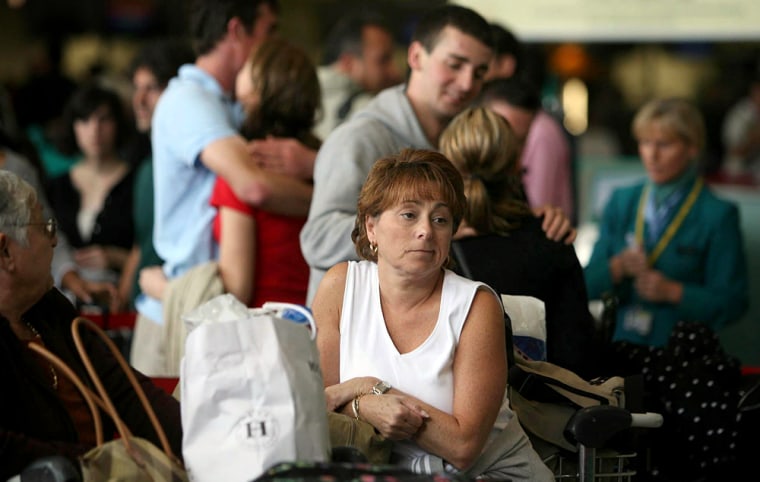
(252,392)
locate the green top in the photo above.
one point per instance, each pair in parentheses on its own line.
(53,161)
(143,213)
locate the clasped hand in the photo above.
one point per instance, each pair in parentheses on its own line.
(633,261)
(650,284)
(396,417)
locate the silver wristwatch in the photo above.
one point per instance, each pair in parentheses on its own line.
(381,387)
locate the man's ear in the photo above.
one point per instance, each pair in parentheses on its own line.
(415,55)
(235,28)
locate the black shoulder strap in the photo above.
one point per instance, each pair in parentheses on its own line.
(460,260)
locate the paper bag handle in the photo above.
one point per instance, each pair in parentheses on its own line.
(276,305)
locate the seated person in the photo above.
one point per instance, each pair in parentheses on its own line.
(93,201)
(41,412)
(501,242)
(260,256)
(409,346)
(64,270)
(668,247)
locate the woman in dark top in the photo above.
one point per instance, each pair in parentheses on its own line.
(93,201)
(503,244)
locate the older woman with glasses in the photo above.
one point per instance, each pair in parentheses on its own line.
(41,412)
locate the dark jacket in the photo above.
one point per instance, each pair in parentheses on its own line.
(34,421)
(528,263)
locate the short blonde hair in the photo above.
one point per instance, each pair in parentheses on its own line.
(675,116)
(393,179)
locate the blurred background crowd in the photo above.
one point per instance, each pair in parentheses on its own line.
(595,70)
(46,46)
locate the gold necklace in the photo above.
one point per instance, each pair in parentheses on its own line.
(38,337)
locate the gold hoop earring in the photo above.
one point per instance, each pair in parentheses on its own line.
(373,248)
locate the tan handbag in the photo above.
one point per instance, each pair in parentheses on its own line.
(544,396)
(128,458)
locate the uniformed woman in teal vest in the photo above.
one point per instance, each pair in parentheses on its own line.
(668,247)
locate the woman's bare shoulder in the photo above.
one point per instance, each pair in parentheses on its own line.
(332,286)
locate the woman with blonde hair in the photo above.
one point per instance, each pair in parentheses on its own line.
(503,244)
(673,254)
(668,247)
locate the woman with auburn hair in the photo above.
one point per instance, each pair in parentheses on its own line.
(409,346)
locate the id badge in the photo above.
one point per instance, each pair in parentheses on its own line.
(638,320)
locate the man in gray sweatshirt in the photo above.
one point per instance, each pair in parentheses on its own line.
(448,59)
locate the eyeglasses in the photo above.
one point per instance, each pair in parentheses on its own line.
(51,226)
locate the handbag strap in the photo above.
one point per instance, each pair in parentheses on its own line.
(565,382)
(111,409)
(90,398)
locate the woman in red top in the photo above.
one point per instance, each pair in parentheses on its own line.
(259,252)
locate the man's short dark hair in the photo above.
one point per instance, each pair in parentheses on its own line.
(346,34)
(463,19)
(208,19)
(515,91)
(163,58)
(505,43)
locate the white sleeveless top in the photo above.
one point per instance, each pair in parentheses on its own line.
(366,348)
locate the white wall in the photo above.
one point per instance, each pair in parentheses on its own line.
(611,20)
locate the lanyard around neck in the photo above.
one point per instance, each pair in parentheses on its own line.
(672,227)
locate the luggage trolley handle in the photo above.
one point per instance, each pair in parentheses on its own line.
(592,427)
(646,420)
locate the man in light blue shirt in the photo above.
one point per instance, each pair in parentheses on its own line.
(195,137)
